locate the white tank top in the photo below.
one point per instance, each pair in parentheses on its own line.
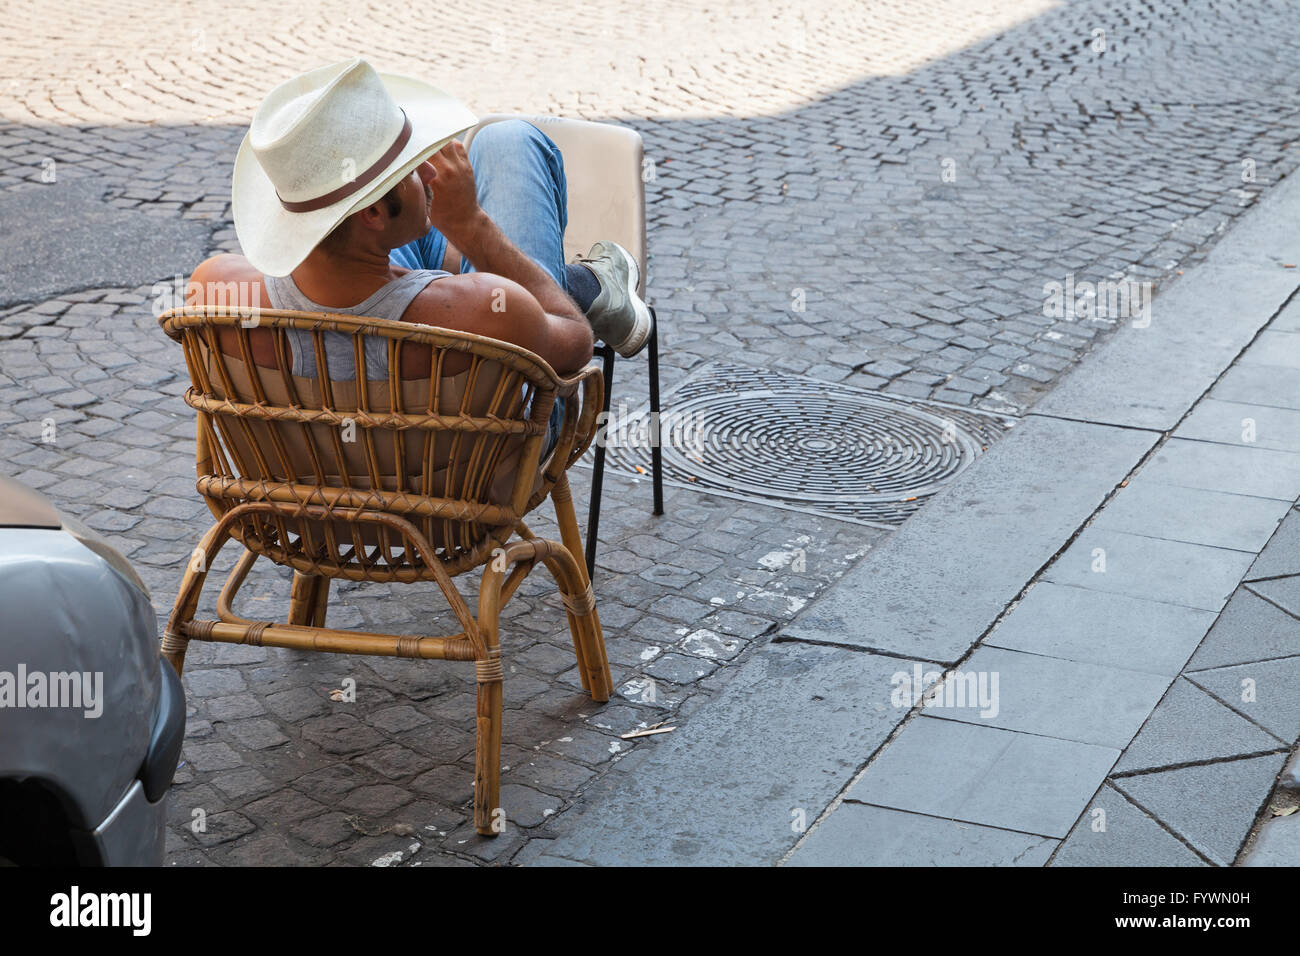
(388,302)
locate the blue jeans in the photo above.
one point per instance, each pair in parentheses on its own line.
(519,176)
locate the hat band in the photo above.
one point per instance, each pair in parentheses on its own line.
(363,179)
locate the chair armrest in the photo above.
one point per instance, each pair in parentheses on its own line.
(592,403)
(585,395)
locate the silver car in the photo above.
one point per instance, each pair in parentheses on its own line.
(91,719)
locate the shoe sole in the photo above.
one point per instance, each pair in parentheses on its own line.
(640,334)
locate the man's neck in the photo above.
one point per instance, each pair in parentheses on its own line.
(343,280)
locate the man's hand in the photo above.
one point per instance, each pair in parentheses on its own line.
(455,211)
(566,339)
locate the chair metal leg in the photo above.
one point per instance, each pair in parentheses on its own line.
(598,467)
(656,449)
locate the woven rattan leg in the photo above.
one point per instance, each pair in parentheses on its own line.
(562,498)
(174,644)
(584,622)
(571,575)
(309,599)
(174,640)
(489,817)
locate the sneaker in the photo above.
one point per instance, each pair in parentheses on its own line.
(618,316)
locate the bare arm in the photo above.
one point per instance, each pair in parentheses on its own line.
(458,216)
(485,245)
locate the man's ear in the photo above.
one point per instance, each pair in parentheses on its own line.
(374,216)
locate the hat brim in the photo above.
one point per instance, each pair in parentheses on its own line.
(276,241)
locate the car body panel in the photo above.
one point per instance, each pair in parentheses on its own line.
(20,507)
(133,834)
(65,609)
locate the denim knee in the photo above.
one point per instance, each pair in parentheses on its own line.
(514,155)
(511,136)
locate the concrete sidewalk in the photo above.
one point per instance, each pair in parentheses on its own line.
(1117,585)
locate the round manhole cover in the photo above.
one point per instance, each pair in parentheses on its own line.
(789,441)
(820,450)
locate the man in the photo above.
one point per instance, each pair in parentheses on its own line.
(352,194)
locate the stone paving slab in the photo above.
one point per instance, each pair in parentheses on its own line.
(1097,627)
(1211,806)
(1193,516)
(1236,423)
(1148,377)
(1282,592)
(1289,319)
(1281,556)
(1274,349)
(858,834)
(1274,840)
(777,741)
(1192,575)
(1068,700)
(944,578)
(1273,385)
(1249,630)
(999,778)
(1114,832)
(1219,732)
(1238,469)
(1268,692)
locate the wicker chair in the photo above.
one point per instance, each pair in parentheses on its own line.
(392,480)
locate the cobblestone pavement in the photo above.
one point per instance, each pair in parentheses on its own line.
(914,173)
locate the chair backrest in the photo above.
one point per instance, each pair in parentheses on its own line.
(455,455)
(603,166)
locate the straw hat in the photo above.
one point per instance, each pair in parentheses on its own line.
(326,144)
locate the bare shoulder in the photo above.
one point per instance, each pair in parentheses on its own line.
(224,267)
(225,280)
